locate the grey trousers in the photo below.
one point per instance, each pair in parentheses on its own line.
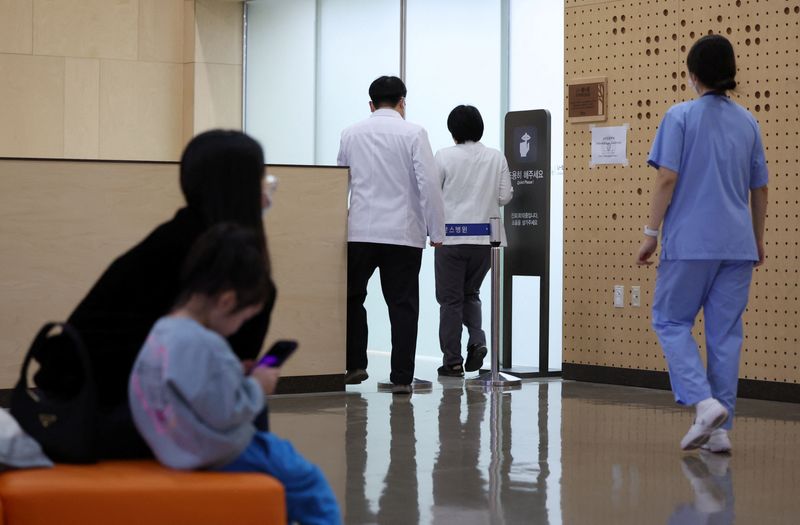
(460,270)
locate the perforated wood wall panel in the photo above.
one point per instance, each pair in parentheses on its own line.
(641,47)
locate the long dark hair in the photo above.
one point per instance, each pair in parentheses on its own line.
(221,177)
(712,61)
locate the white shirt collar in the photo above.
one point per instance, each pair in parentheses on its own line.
(386,112)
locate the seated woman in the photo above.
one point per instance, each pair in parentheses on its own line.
(221,177)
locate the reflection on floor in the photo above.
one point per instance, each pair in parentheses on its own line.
(553,452)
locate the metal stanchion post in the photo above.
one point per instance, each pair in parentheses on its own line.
(494,379)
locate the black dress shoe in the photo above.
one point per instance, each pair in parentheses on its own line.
(354,377)
(451,371)
(475,355)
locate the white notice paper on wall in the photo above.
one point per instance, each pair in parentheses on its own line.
(609,145)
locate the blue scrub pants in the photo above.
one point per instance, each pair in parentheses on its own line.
(721,289)
(309,498)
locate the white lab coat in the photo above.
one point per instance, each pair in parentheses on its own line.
(395,193)
(475,183)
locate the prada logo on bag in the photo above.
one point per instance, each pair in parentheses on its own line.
(47,419)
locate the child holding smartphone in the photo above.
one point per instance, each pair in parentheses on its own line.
(191,399)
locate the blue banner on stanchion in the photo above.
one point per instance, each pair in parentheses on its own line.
(466,230)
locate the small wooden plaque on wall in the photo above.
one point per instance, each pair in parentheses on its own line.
(587,99)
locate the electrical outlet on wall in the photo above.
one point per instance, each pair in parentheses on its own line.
(619,296)
(636,296)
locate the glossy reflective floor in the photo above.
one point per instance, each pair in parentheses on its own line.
(552,452)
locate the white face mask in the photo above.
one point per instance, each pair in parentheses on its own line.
(268,188)
(692,85)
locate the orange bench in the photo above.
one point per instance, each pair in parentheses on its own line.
(137,492)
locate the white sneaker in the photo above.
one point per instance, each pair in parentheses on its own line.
(710,416)
(718,441)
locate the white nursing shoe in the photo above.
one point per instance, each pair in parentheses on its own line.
(710,416)
(718,442)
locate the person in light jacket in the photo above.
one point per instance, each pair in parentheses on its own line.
(475,183)
(395,203)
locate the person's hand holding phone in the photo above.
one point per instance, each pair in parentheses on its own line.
(267,377)
(247,366)
(280,352)
(267,370)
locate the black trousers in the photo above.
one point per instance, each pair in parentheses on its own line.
(399,270)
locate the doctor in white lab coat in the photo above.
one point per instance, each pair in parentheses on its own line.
(395,204)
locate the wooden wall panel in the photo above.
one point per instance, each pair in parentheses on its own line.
(124,80)
(63,222)
(641,47)
(307,229)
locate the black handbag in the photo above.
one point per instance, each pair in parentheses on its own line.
(65,427)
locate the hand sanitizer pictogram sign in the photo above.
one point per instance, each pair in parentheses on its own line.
(525,145)
(526,150)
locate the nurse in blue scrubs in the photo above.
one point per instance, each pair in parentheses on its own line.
(711,195)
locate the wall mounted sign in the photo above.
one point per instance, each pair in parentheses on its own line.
(609,145)
(586,100)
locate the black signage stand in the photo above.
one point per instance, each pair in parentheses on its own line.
(527,224)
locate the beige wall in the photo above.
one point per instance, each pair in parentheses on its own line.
(134,80)
(307,230)
(63,222)
(641,47)
(213,70)
(129,79)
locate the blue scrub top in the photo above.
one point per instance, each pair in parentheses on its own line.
(714,145)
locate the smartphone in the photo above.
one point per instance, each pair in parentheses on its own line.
(278,354)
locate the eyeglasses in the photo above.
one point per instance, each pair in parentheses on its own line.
(270,183)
